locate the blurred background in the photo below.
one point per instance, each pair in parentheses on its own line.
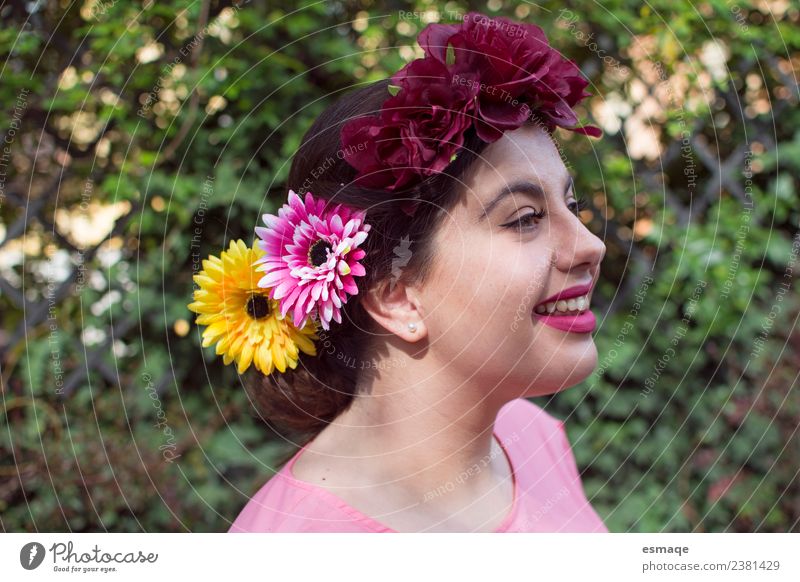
(137,138)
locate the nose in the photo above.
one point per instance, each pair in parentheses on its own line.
(577,247)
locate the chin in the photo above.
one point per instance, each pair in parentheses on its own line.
(557,377)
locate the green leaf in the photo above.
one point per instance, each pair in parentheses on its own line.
(451,55)
(393,90)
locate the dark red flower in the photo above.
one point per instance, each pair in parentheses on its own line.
(418,130)
(518,70)
(491,72)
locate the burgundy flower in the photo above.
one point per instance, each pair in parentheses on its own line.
(491,72)
(518,68)
(417,131)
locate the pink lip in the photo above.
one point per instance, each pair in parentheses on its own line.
(583,323)
(576,291)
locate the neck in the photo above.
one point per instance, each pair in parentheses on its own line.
(422,434)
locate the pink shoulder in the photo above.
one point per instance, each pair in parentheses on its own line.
(286,505)
(522,414)
(270,508)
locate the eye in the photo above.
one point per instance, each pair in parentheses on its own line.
(578,205)
(526,221)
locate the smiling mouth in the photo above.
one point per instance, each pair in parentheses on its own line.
(572,306)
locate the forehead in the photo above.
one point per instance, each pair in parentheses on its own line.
(528,153)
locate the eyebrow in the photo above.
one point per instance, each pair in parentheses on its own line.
(522,186)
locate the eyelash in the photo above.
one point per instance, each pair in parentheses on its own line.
(579,204)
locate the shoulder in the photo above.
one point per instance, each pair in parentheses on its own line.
(521,415)
(546,470)
(284,504)
(554,498)
(538,438)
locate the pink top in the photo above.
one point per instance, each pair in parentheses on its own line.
(548,493)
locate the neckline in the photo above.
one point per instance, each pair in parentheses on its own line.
(376,525)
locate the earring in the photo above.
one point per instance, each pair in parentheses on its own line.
(412,327)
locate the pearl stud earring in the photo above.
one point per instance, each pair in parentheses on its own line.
(412,327)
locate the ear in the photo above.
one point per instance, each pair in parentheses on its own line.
(394,305)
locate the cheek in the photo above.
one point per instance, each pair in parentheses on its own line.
(489,286)
(462,287)
(461,283)
(526,284)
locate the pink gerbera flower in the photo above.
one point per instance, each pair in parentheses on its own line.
(312,257)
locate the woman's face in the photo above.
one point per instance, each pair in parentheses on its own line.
(498,261)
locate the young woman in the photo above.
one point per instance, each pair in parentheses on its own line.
(473,293)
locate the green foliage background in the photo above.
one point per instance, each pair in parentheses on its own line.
(110,422)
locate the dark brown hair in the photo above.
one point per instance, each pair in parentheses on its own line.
(301,401)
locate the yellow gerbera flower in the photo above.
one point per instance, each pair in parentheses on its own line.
(242,320)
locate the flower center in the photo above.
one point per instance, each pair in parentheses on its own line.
(257,306)
(318,253)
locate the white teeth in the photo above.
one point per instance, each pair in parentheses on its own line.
(573,304)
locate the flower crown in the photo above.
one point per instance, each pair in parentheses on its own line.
(493,74)
(490,73)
